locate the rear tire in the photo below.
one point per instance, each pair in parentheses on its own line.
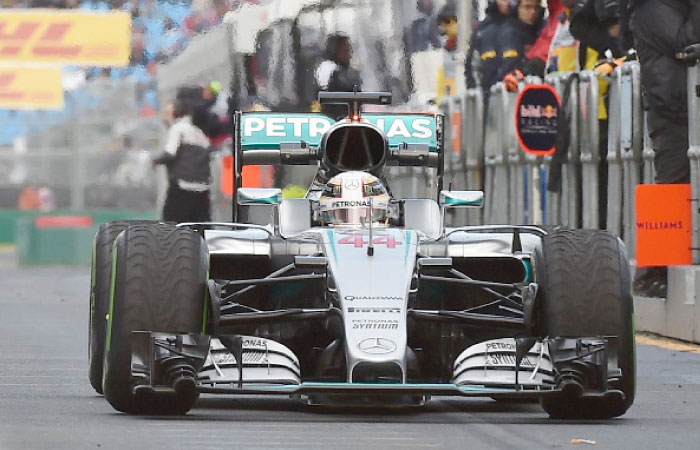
(99,295)
(159,282)
(585,281)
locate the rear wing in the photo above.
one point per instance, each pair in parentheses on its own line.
(262,137)
(269,138)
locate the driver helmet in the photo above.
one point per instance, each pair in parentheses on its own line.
(348,197)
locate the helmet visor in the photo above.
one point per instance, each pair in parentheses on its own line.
(353,216)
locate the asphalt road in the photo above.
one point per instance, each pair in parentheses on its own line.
(46,401)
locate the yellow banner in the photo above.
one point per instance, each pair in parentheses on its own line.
(65,37)
(30,88)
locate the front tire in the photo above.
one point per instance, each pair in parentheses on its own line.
(158,284)
(99,295)
(585,280)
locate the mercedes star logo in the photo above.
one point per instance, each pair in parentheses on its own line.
(351,185)
(376,346)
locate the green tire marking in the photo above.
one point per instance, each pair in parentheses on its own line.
(93,278)
(206,304)
(112,285)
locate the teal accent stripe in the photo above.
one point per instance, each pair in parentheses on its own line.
(262,201)
(456,201)
(205,313)
(528,270)
(442,389)
(332,244)
(408,233)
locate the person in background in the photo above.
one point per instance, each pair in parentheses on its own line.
(517,36)
(210,112)
(186,156)
(47,202)
(595,23)
(29,198)
(536,58)
(663,31)
(423,33)
(421,36)
(334,74)
(483,47)
(449,29)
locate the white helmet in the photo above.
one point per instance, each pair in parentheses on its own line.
(348,197)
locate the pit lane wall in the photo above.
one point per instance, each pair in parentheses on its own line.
(489,157)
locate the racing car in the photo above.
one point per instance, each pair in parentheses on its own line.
(352,297)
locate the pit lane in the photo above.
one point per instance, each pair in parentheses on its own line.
(46,401)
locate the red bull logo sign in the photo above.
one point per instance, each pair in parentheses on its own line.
(536,115)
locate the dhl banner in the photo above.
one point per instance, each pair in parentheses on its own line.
(30,88)
(65,37)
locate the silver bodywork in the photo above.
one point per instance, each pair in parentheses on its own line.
(373,294)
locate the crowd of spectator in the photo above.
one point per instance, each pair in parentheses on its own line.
(515,40)
(160,30)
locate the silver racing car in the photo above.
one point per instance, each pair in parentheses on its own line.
(352,297)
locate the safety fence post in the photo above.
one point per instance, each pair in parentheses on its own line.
(553,200)
(562,208)
(496,172)
(514,161)
(589,142)
(648,171)
(694,155)
(615,184)
(453,109)
(631,142)
(473,140)
(532,171)
(444,109)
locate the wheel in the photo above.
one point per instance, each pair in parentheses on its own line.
(159,277)
(99,294)
(585,284)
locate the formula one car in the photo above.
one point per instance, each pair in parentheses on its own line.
(349,296)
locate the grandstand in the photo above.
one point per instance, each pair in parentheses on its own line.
(160,30)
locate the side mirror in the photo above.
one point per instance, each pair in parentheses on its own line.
(462,199)
(259,196)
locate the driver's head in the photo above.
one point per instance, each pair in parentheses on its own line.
(354,198)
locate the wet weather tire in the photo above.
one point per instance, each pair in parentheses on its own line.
(99,295)
(159,281)
(585,284)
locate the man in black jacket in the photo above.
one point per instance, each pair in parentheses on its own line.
(662,29)
(517,35)
(483,46)
(334,74)
(595,24)
(186,155)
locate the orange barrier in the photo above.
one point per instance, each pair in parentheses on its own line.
(63,222)
(252,176)
(663,224)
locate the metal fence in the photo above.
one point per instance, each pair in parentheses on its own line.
(94,154)
(489,157)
